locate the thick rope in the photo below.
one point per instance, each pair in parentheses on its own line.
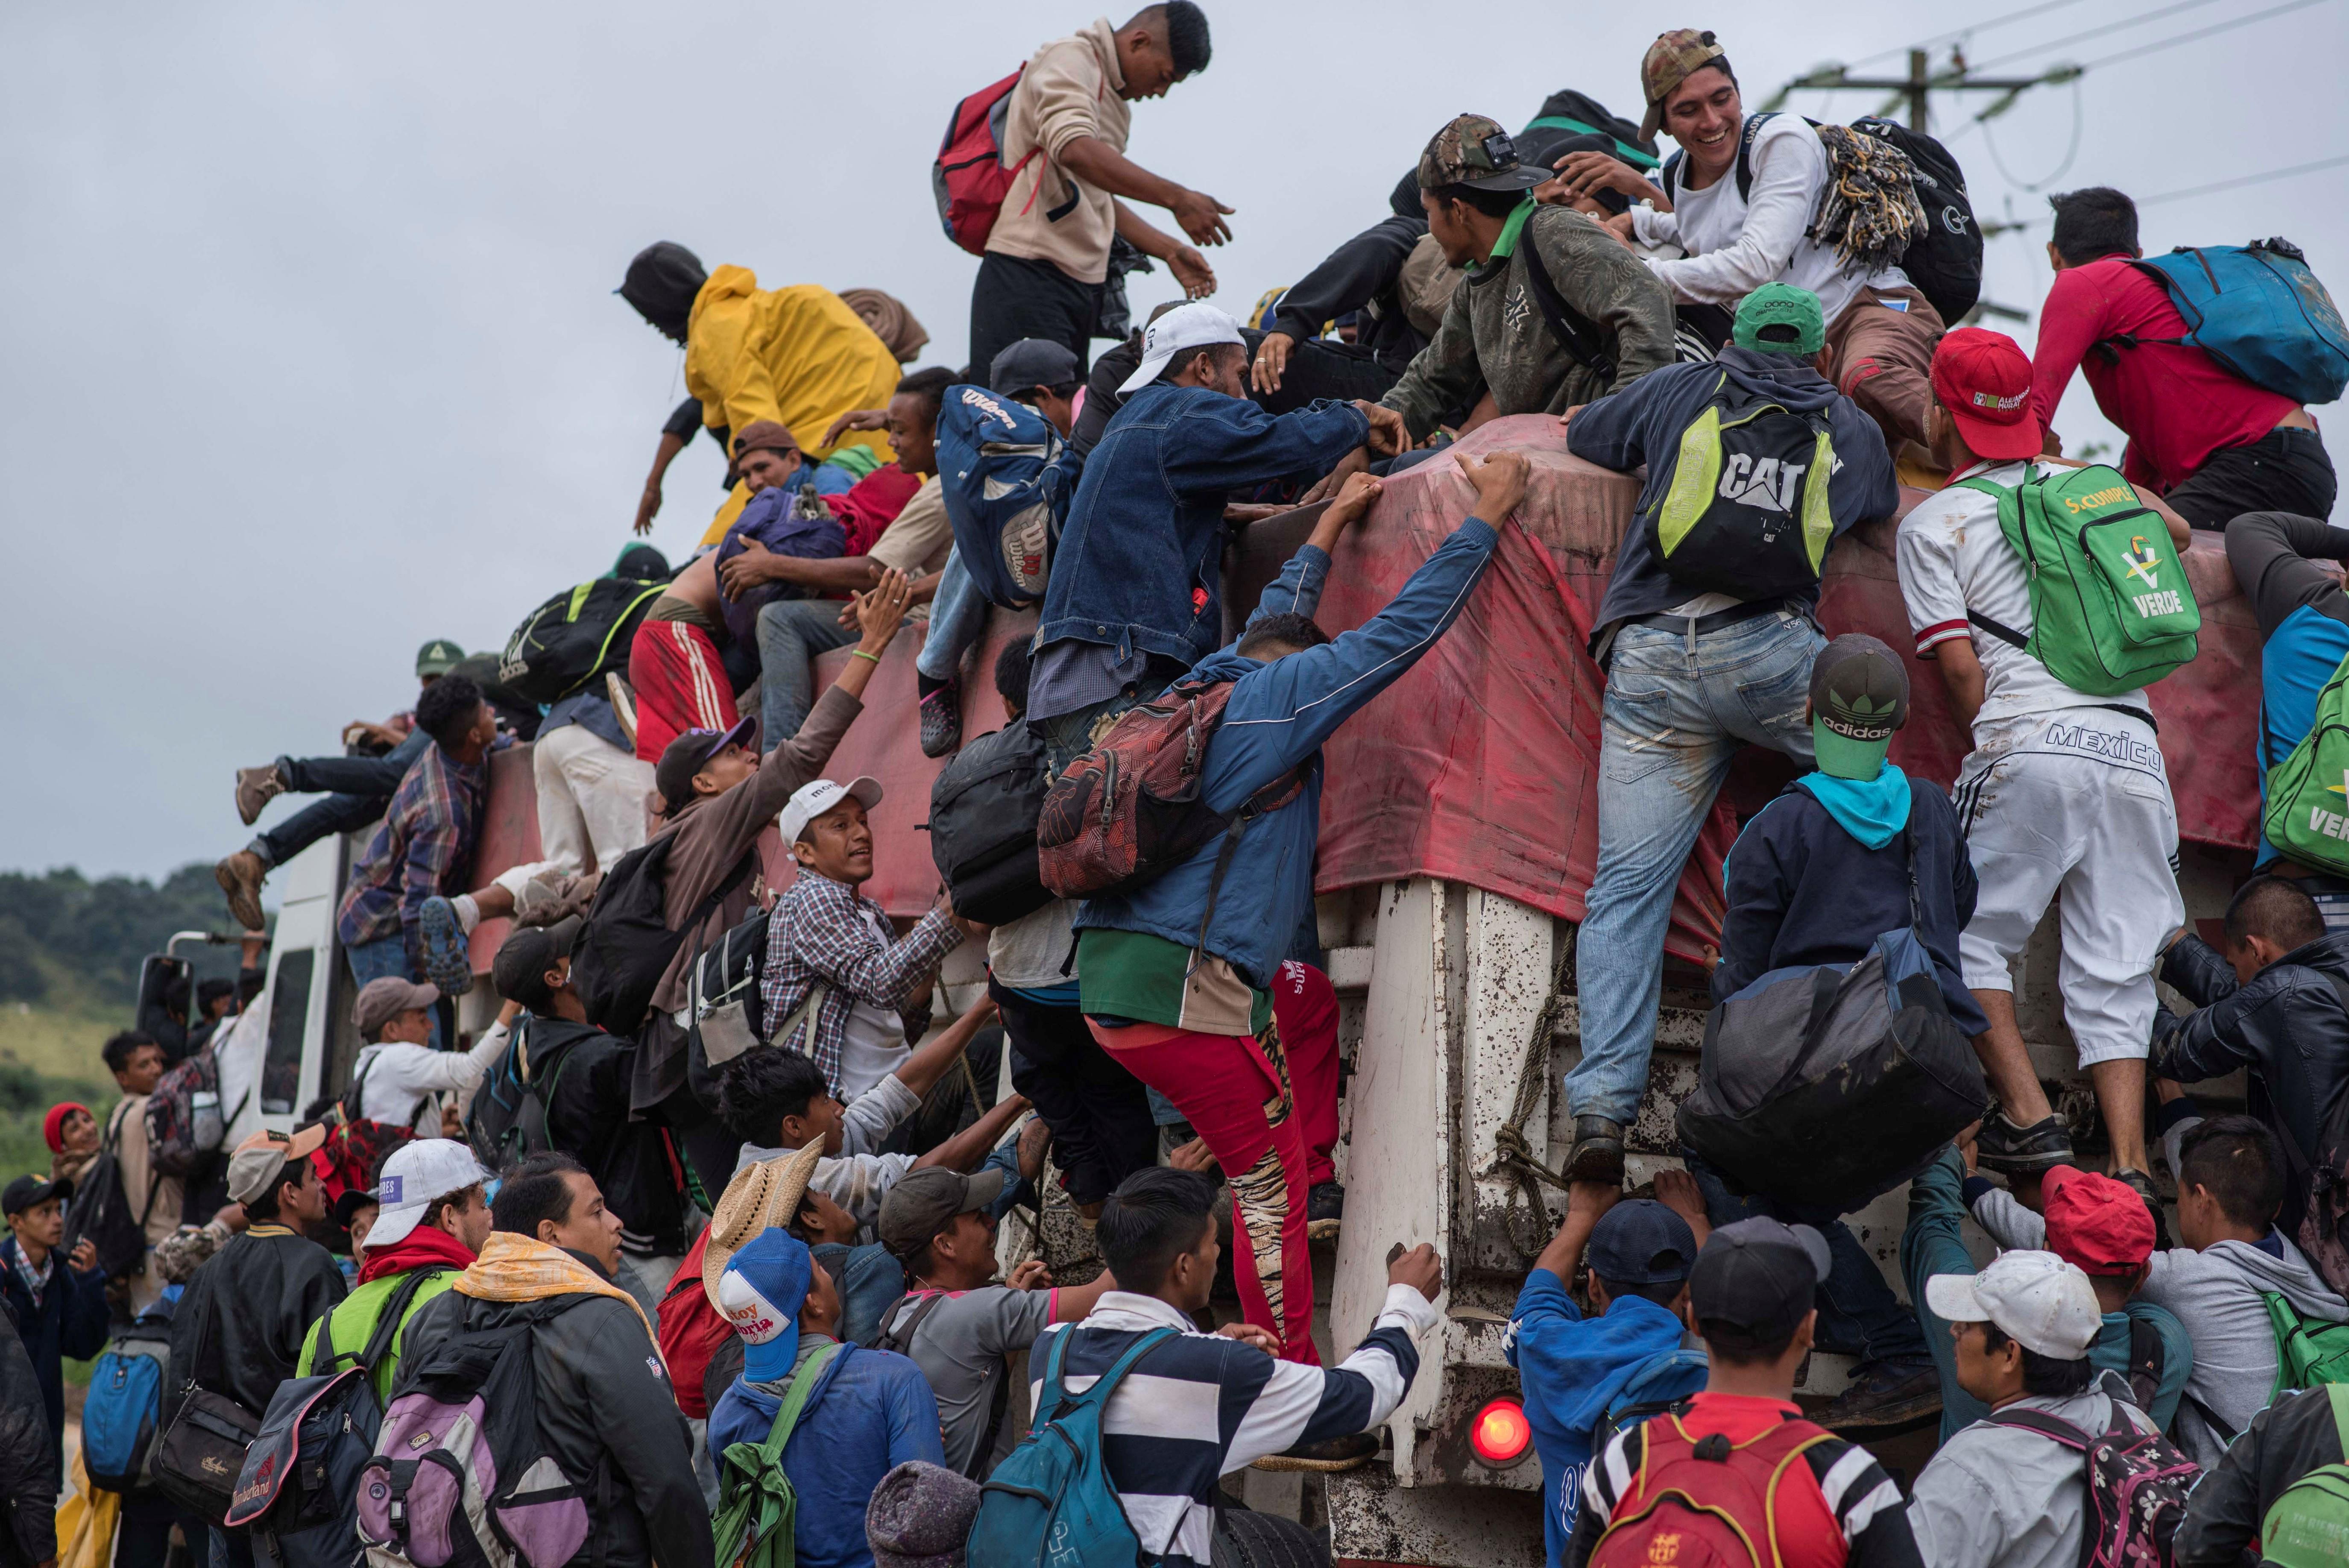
(1513,1154)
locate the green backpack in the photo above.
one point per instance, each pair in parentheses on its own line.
(2308,1354)
(757,1521)
(2111,610)
(2307,817)
(2308,1526)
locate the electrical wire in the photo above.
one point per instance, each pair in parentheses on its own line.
(2006,226)
(2079,118)
(2092,32)
(1968,32)
(2227,26)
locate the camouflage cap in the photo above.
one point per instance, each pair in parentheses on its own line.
(1476,152)
(1671,60)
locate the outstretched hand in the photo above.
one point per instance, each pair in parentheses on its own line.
(1500,480)
(855,419)
(740,573)
(1419,1269)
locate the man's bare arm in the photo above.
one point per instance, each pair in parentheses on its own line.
(1962,675)
(1101,166)
(967,1147)
(757,563)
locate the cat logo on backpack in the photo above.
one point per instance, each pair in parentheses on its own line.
(1747,467)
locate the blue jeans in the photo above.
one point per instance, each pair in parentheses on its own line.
(1859,1313)
(957,621)
(362,787)
(385,955)
(868,1280)
(1677,709)
(792,632)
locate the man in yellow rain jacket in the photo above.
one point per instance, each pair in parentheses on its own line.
(798,356)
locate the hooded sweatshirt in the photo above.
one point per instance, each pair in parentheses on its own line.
(2217,1294)
(1642,424)
(1573,1368)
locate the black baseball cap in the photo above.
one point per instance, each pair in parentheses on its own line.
(924,1202)
(31,1192)
(1031,362)
(673,778)
(523,958)
(1755,1281)
(1642,1242)
(1859,695)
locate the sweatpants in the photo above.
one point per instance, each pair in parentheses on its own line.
(2286,470)
(1879,354)
(1015,298)
(1268,1108)
(591,798)
(2080,806)
(680,683)
(1102,1131)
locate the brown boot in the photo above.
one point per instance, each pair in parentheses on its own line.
(256,787)
(240,877)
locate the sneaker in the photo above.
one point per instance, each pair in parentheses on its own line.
(1345,1453)
(2010,1150)
(255,788)
(942,721)
(1325,1207)
(1884,1398)
(448,955)
(1598,1150)
(2142,1183)
(240,877)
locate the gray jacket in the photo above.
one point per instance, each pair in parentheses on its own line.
(1998,1497)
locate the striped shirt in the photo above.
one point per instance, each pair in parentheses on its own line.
(424,847)
(1198,1408)
(1840,1511)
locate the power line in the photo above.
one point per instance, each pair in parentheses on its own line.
(2092,32)
(1968,32)
(2227,26)
(2264,176)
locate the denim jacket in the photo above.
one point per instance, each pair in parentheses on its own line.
(1139,565)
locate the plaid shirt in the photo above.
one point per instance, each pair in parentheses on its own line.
(424,847)
(36,1281)
(819,932)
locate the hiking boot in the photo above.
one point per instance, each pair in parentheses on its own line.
(447,956)
(1325,1207)
(551,896)
(1885,1397)
(2010,1150)
(1597,1151)
(1337,1454)
(2142,1183)
(942,721)
(240,877)
(256,787)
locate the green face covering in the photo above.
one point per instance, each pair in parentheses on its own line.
(1506,245)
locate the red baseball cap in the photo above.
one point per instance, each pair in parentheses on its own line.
(2097,1224)
(1983,380)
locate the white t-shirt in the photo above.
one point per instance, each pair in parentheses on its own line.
(404,1080)
(873,1038)
(1955,558)
(1031,952)
(1736,245)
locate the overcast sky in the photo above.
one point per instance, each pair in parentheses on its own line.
(309,351)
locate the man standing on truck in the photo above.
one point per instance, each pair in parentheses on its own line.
(1064,139)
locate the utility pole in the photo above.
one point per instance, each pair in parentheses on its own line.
(1916,85)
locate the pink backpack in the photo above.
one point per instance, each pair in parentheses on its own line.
(2137,1487)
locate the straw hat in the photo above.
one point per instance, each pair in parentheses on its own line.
(760,1198)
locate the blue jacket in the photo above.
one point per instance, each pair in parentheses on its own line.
(871,1411)
(1139,565)
(70,1322)
(1803,890)
(1643,422)
(1276,720)
(1572,1370)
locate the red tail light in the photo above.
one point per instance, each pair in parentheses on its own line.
(1501,1432)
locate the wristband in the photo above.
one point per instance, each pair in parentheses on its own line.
(860,653)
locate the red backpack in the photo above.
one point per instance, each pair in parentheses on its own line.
(1130,809)
(690,1331)
(1703,1502)
(967,177)
(355,1146)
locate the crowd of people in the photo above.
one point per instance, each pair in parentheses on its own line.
(699,1242)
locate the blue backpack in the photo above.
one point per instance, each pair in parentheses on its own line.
(1049,1503)
(1008,479)
(2259,312)
(123,1409)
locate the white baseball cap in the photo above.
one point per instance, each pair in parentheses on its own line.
(814,798)
(1181,329)
(413,1175)
(2034,1298)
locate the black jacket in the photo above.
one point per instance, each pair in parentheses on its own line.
(28,1480)
(1803,891)
(2289,1026)
(238,1330)
(606,1411)
(587,1118)
(70,1322)
(1363,274)
(2285,1441)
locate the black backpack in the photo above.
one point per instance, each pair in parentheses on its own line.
(626,944)
(507,1121)
(576,637)
(103,1212)
(726,1004)
(1746,512)
(982,827)
(1946,263)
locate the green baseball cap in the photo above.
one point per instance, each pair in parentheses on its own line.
(1779,318)
(437,657)
(1859,696)
(1476,152)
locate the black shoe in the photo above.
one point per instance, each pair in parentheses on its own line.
(1885,1397)
(2142,1183)
(1337,1454)
(2010,1150)
(941,716)
(1325,1206)
(1598,1150)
